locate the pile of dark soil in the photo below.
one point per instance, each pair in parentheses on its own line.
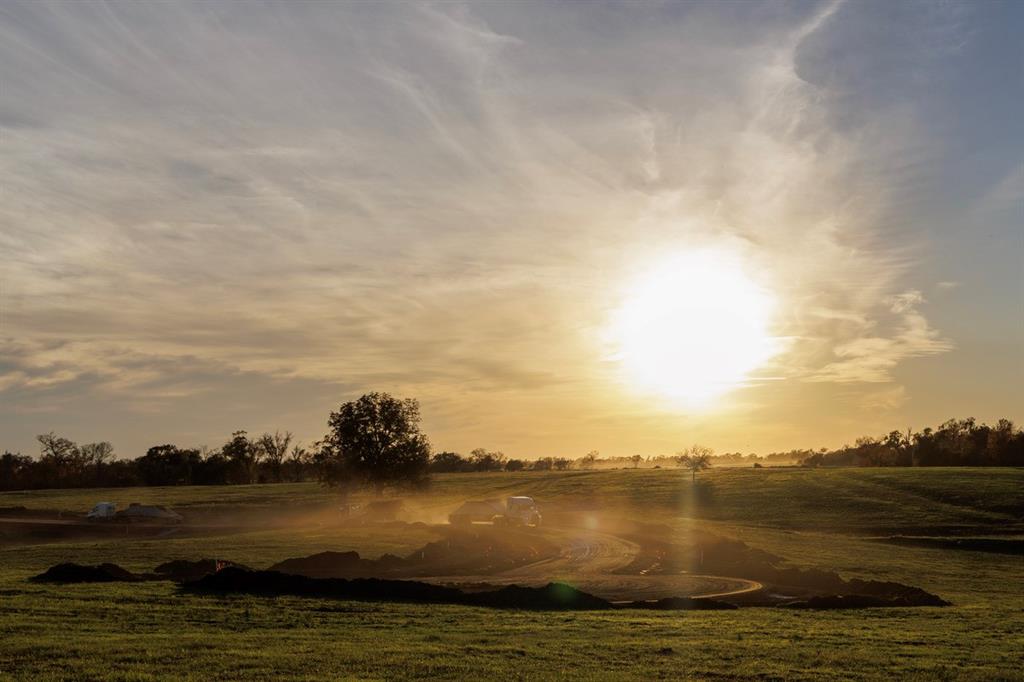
(476,551)
(712,554)
(552,597)
(76,573)
(178,571)
(182,570)
(1013,547)
(850,601)
(479,550)
(681,604)
(340,565)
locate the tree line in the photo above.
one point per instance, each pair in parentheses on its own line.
(376,442)
(957,442)
(62,463)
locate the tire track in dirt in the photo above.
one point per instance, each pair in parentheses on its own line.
(589,560)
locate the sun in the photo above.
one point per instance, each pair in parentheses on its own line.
(694,327)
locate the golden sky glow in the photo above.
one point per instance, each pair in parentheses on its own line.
(562,226)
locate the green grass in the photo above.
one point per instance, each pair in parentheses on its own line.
(813,517)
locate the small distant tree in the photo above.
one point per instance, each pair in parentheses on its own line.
(272,449)
(515,465)
(449,462)
(543,464)
(298,461)
(589,460)
(696,458)
(244,455)
(374,441)
(636,459)
(482,460)
(561,463)
(61,461)
(98,454)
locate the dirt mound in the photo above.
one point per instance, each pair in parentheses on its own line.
(178,571)
(482,551)
(554,596)
(182,570)
(857,601)
(340,565)
(681,604)
(1013,547)
(551,597)
(76,573)
(479,551)
(706,553)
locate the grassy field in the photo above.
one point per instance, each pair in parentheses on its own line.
(819,518)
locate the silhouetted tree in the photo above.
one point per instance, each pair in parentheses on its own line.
(696,458)
(588,460)
(298,462)
(449,462)
(561,463)
(482,460)
(543,464)
(515,465)
(243,455)
(272,449)
(375,441)
(98,454)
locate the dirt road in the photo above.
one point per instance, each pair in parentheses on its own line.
(593,561)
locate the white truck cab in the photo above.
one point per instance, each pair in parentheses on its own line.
(102,510)
(522,510)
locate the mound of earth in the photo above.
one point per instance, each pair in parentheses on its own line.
(482,551)
(992,545)
(552,597)
(855,601)
(178,571)
(681,604)
(182,570)
(479,551)
(76,573)
(706,553)
(340,565)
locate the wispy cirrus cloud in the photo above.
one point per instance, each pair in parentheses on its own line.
(872,357)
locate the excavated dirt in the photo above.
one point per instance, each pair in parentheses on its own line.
(640,565)
(482,550)
(553,597)
(1014,547)
(76,573)
(177,571)
(680,604)
(182,570)
(706,553)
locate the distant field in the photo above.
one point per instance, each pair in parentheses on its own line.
(822,518)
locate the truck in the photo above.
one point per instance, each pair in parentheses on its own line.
(517,511)
(102,511)
(107,511)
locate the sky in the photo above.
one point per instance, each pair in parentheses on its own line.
(223,216)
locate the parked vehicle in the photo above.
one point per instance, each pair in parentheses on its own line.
(101,511)
(517,511)
(107,511)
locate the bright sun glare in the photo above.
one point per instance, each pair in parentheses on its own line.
(694,327)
